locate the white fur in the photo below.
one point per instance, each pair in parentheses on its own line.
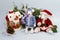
(32,30)
(39,23)
(44,15)
(50,26)
(43,28)
(37,29)
(29,12)
(17,14)
(49,30)
(39,16)
(33,10)
(26,29)
(12,17)
(16,21)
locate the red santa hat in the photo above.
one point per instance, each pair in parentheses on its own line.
(11,11)
(47,12)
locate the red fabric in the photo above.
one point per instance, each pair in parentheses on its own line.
(7,19)
(46,11)
(43,30)
(20,21)
(14,27)
(48,21)
(11,12)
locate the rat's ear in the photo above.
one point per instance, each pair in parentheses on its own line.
(33,10)
(7,19)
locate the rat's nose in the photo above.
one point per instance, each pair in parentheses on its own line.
(16,18)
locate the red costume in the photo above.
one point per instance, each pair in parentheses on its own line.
(47,22)
(44,24)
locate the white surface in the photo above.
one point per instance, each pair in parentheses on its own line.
(52,5)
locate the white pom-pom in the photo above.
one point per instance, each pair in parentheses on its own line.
(50,26)
(49,30)
(33,10)
(39,23)
(32,31)
(37,29)
(39,16)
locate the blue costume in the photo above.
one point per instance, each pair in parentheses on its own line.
(30,21)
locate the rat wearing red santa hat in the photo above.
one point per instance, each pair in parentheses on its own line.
(13,20)
(43,22)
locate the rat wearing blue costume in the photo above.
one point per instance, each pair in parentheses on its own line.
(29,20)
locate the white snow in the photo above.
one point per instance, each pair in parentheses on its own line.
(52,5)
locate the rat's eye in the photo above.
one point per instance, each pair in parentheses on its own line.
(10,16)
(19,15)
